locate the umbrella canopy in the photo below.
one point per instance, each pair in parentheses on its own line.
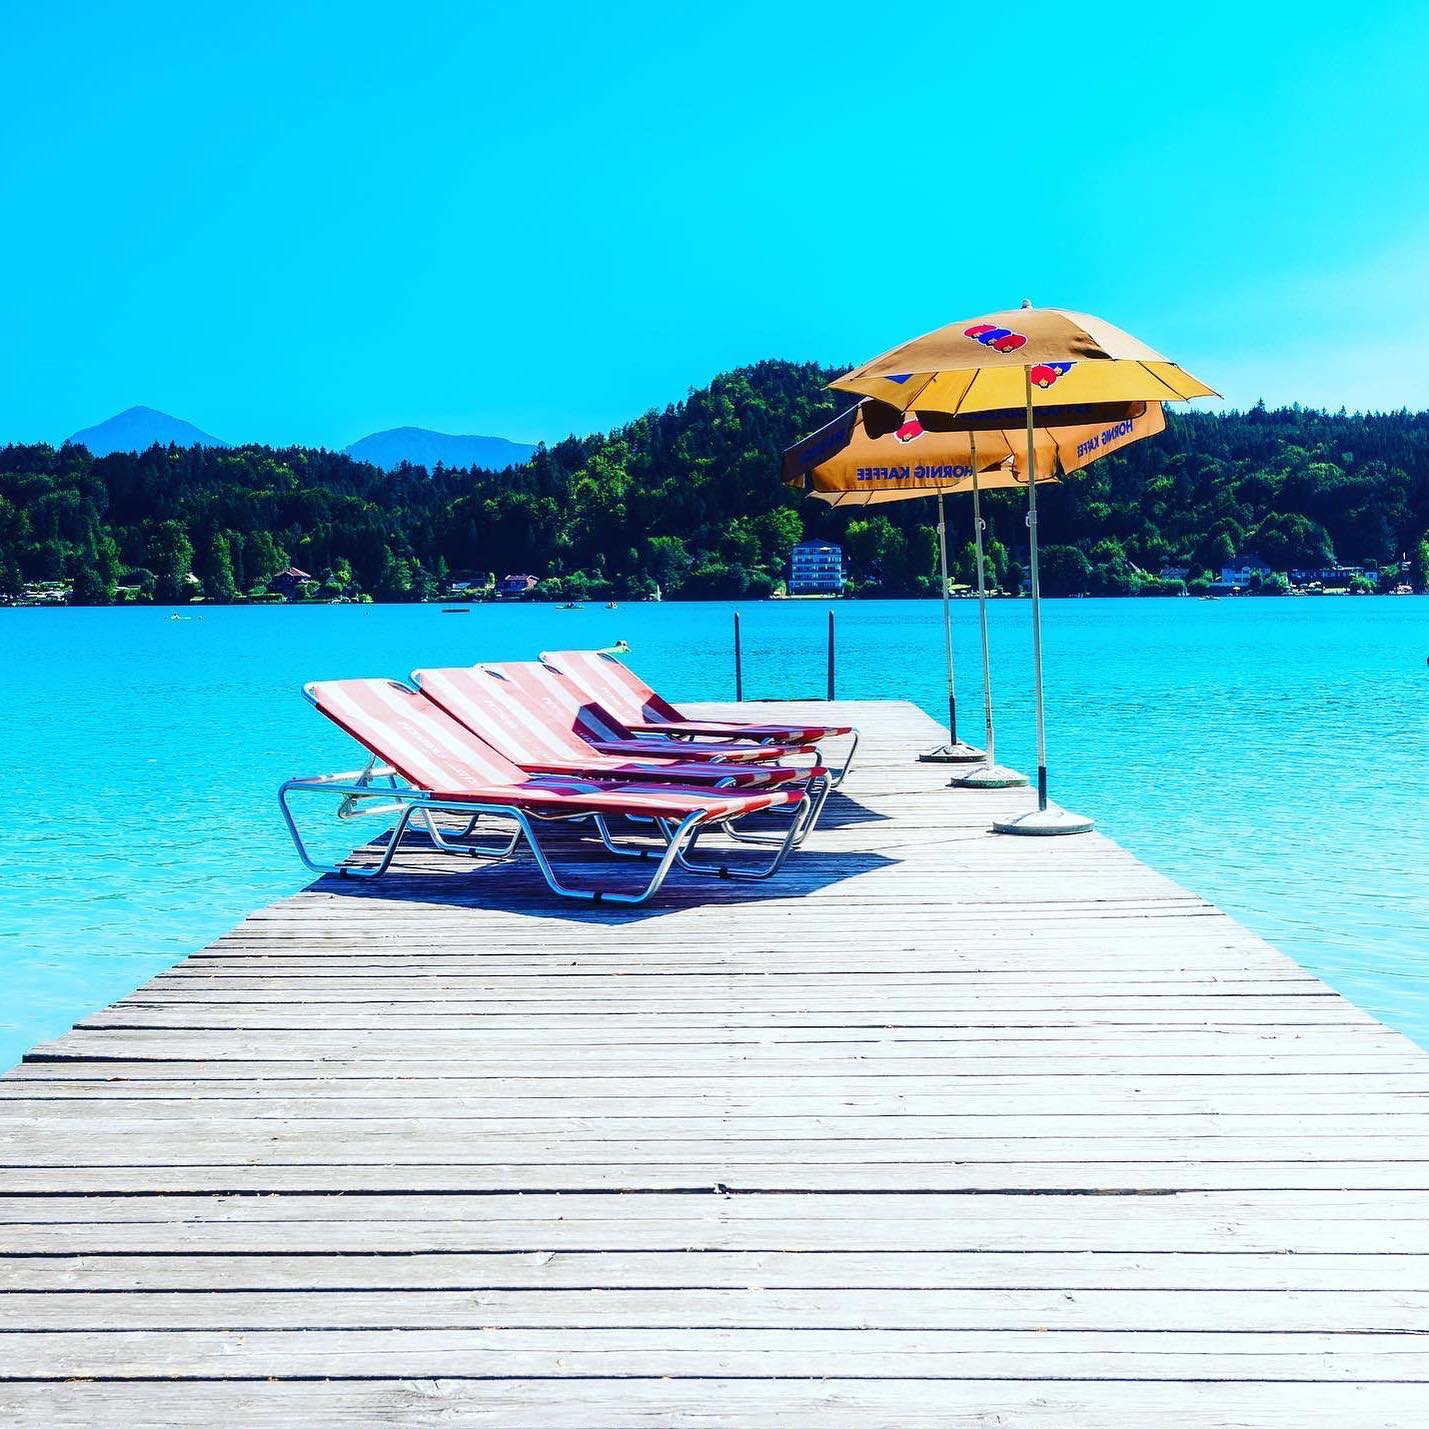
(985,363)
(875,454)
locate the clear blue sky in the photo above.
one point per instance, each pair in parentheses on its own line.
(306,221)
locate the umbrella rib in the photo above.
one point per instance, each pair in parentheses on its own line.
(1175,395)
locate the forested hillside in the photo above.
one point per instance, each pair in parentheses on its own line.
(689,498)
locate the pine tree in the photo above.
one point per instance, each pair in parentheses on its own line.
(171,557)
(219,584)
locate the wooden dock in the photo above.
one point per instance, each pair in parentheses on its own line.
(941,1128)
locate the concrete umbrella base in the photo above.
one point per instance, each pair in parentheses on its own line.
(958,753)
(988,776)
(1043,823)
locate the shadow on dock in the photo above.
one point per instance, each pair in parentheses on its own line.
(841,812)
(419,875)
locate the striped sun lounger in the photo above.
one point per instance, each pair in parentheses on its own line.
(425,763)
(615,687)
(539,720)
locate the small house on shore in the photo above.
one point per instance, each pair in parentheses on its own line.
(1334,574)
(509,586)
(1240,572)
(289,583)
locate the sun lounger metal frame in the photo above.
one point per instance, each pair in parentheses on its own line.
(678,837)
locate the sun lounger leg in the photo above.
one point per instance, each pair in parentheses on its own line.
(819,791)
(723,870)
(678,836)
(843,769)
(817,800)
(342,870)
(624,850)
(461,842)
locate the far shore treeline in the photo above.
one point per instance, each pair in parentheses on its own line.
(688,501)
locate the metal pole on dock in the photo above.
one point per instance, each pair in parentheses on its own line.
(831,655)
(954,751)
(989,774)
(738,663)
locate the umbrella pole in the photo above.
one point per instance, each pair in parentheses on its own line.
(990,774)
(947,620)
(1036,598)
(982,613)
(1044,819)
(954,751)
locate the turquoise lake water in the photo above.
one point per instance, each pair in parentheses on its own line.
(1269,754)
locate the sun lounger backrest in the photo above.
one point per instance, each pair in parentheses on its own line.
(612,684)
(470,695)
(418,739)
(563,708)
(502,714)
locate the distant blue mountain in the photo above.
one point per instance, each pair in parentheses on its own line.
(138,429)
(425,448)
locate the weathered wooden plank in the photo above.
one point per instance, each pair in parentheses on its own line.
(580,980)
(1357,1045)
(867,1060)
(339,1076)
(298,1144)
(1229,1271)
(625,1027)
(356,1175)
(720,1403)
(711,1121)
(277,1237)
(533,1097)
(762,1307)
(855,1210)
(690,1352)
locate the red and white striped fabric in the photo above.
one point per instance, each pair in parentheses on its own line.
(426,747)
(569,706)
(439,755)
(521,716)
(536,718)
(566,706)
(612,684)
(621,691)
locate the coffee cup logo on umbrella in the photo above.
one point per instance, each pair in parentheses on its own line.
(1003,339)
(999,339)
(1046,373)
(910,430)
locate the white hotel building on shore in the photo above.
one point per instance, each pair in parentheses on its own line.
(816,569)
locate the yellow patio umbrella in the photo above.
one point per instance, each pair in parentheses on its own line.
(1033,358)
(875,454)
(982,364)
